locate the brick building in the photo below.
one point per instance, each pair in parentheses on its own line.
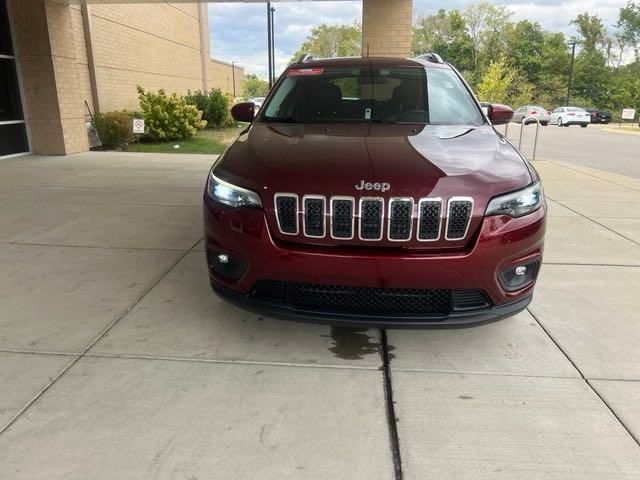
(55,55)
(60,59)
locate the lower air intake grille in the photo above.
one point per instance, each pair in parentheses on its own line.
(339,299)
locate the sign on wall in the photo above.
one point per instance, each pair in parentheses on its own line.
(138,125)
(628,114)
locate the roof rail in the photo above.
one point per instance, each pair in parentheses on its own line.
(431,57)
(307,57)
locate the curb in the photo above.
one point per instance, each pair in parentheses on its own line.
(617,130)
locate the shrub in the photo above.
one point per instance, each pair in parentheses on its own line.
(213,104)
(114,129)
(169,117)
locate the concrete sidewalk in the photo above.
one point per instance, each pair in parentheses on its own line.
(118,362)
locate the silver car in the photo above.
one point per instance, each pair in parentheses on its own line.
(527,113)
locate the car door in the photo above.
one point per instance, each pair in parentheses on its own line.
(517,116)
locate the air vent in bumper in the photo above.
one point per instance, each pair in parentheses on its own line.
(339,299)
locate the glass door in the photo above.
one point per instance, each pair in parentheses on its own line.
(13,130)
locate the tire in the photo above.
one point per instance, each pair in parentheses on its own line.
(544,124)
(560,122)
(584,125)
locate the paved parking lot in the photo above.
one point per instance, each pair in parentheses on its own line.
(118,362)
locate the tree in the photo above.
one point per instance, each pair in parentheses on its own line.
(485,26)
(444,33)
(332,41)
(254,86)
(629,27)
(495,83)
(525,43)
(591,31)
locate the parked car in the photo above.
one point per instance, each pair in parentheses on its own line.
(257,101)
(524,114)
(566,116)
(373,191)
(599,116)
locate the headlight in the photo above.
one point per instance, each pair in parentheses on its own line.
(231,195)
(517,204)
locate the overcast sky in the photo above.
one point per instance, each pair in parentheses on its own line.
(238,30)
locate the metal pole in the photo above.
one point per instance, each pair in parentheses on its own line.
(233,73)
(573,56)
(269,42)
(273,46)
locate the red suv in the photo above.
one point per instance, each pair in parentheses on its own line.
(374,191)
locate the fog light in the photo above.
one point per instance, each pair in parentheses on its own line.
(228,266)
(521,271)
(518,277)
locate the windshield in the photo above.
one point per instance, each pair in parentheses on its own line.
(382,95)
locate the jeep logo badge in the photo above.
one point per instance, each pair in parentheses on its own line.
(381,187)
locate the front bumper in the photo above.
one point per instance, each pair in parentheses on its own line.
(501,242)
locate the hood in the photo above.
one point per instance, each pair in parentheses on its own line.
(331,160)
(417,162)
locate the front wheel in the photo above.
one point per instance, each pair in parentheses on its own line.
(560,121)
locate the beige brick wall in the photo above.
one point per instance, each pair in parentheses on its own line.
(152,45)
(220,75)
(386,27)
(156,45)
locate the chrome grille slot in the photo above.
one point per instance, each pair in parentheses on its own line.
(314,214)
(429,219)
(400,219)
(342,218)
(287,212)
(371,210)
(459,216)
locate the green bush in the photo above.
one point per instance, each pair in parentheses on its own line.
(169,117)
(114,129)
(213,104)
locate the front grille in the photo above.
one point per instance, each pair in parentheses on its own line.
(371,218)
(339,299)
(287,213)
(400,219)
(429,214)
(342,218)
(459,217)
(396,223)
(313,210)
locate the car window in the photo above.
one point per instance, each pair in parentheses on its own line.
(379,95)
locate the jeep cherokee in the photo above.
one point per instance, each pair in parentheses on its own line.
(377,192)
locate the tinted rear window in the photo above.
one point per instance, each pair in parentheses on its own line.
(379,95)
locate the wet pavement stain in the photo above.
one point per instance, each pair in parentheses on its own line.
(352,343)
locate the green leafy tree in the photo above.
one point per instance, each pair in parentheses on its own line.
(525,43)
(444,33)
(486,25)
(629,27)
(496,82)
(591,31)
(254,86)
(332,41)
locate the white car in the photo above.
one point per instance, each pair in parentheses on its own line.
(565,116)
(257,101)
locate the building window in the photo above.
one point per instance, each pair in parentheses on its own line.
(13,132)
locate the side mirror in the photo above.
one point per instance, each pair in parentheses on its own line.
(500,114)
(243,112)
